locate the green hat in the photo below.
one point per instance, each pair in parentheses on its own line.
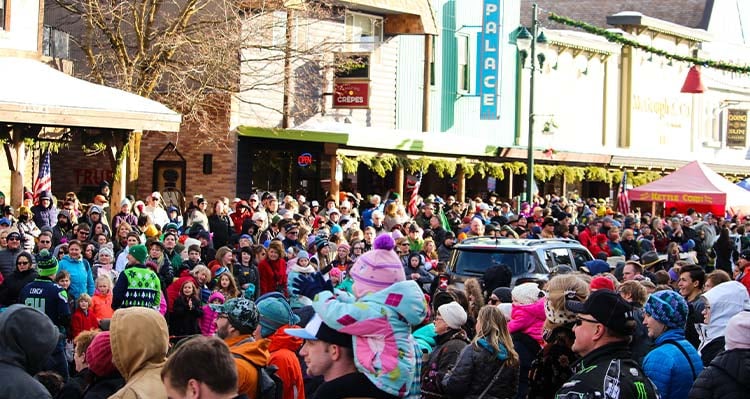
(139,252)
(46,264)
(241,313)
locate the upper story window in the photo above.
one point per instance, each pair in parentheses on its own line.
(363,32)
(55,43)
(4,19)
(464,71)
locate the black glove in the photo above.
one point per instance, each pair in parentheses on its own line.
(311,284)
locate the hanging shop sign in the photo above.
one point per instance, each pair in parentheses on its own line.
(350,94)
(736,128)
(489,60)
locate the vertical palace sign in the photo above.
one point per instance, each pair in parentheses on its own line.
(488,60)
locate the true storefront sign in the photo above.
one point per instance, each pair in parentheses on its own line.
(488,60)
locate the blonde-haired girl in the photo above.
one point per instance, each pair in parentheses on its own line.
(101,303)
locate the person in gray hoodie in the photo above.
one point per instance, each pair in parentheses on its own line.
(27,339)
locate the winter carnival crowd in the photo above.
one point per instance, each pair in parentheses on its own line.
(350,298)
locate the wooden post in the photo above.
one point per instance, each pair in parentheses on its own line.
(399,183)
(426,83)
(16,172)
(334,191)
(510,185)
(461,177)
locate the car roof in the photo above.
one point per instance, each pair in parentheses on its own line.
(524,244)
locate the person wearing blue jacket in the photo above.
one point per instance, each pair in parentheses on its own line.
(674,363)
(81,278)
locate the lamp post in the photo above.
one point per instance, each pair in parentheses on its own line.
(526,39)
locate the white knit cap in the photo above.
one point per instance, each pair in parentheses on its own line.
(737,335)
(453,314)
(526,293)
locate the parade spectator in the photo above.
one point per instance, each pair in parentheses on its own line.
(715,278)
(22,354)
(690,285)
(272,270)
(137,285)
(216,378)
(721,303)
(727,375)
(186,311)
(220,225)
(8,255)
(674,363)
(236,321)
(101,304)
(527,313)
(489,365)
(603,325)
(139,340)
(23,273)
(45,213)
(83,318)
(450,341)
(275,316)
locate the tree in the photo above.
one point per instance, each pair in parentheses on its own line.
(192,55)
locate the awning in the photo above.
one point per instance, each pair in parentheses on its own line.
(374,138)
(35,93)
(660,164)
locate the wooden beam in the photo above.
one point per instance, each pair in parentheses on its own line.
(403,24)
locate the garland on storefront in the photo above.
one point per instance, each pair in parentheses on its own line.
(382,164)
(617,38)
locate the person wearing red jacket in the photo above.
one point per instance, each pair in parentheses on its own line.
(586,237)
(242,212)
(599,245)
(272,270)
(275,316)
(83,318)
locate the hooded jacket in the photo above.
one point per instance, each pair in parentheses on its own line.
(726,300)
(12,286)
(139,340)
(44,217)
(668,368)
(81,277)
(207,320)
(441,361)
(528,319)
(384,348)
(248,356)
(283,348)
(22,354)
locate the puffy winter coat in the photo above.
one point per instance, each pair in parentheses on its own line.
(44,217)
(384,349)
(81,277)
(12,286)
(440,362)
(727,377)
(476,367)
(283,348)
(528,319)
(669,368)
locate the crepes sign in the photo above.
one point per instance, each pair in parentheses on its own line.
(351,95)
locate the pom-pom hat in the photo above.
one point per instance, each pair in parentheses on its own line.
(379,268)
(46,264)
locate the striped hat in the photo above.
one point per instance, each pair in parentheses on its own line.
(378,268)
(46,264)
(668,308)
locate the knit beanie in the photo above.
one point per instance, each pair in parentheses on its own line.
(378,268)
(303,255)
(668,308)
(46,264)
(216,295)
(275,313)
(139,252)
(526,293)
(99,355)
(504,294)
(106,250)
(737,335)
(453,314)
(601,283)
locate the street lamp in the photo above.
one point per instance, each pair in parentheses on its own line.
(529,40)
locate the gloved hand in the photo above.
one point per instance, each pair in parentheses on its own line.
(310,285)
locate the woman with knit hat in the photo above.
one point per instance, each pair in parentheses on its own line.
(380,316)
(673,364)
(728,374)
(451,340)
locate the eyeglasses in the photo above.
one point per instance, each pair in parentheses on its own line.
(294,233)
(13,238)
(580,320)
(82,232)
(45,242)
(404,244)
(22,263)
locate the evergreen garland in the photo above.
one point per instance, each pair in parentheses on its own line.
(616,38)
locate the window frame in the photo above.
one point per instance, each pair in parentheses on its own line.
(377,24)
(463,70)
(4,15)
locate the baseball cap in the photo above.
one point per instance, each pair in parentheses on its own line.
(314,204)
(5,221)
(745,254)
(317,330)
(608,308)
(254,197)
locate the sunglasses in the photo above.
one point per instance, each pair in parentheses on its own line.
(580,320)
(22,263)
(13,238)
(45,242)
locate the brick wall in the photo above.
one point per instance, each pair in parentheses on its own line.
(192,142)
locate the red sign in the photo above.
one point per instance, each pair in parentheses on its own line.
(351,95)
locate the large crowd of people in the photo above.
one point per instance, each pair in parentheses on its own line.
(348,297)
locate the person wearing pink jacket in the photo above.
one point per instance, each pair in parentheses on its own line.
(527,313)
(208,327)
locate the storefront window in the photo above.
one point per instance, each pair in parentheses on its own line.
(285,172)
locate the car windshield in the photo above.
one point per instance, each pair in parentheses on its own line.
(476,262)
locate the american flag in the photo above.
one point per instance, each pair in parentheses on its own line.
(412,206)
(44,180)
(623,200)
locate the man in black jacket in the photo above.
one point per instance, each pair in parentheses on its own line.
(603,328)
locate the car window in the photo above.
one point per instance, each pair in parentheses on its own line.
(476,262)
(580,257)
(559,256)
